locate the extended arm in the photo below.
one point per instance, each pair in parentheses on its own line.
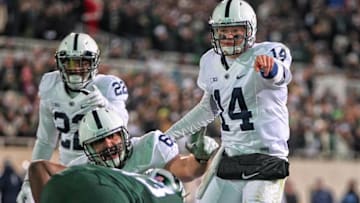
(275,66)
(186,167)
(39,174)
(189,167)
(200,116)
(45,134)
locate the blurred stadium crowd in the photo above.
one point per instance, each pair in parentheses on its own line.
(323,36)
(154,45)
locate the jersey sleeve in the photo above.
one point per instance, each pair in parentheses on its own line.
(164,147)
(202,80)
(46,132)
(47,83)
(115,91)
(283,59)
(152,150)
(205,111)
(200,116)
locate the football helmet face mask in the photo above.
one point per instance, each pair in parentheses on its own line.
(168,179)
(77,58)
(233,26)
(98,125)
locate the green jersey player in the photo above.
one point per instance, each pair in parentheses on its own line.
(93,184)
(106,142)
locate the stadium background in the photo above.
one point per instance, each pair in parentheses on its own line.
(154,45)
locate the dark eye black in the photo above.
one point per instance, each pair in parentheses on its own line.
(238,37)
(221,37)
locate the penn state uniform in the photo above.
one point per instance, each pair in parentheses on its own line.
(60,114)
(66,94)
(253,114)
(253,109)
(245,85)
(152,150)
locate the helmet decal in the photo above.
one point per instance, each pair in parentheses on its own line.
(227,9)
(97,119)
(76,41)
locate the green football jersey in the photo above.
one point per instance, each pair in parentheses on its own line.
(97,184)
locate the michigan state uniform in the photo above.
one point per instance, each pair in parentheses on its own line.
(60,114)
(95,184)
(152,150)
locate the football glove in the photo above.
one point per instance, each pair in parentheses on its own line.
(93,98)
(201,145)
(25,195)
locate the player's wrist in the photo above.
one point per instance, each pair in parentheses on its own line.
(272,73)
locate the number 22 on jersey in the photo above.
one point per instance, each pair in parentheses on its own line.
(66,129)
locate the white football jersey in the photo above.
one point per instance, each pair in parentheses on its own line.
(60,114)
(152,150)
(254,116)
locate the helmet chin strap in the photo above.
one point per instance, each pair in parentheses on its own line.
(71,92)
(74,92)
(224,62)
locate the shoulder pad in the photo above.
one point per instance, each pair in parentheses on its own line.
(112,87)
(48,81)
(105,80)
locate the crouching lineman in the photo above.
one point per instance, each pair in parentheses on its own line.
(89,183)
(106,142)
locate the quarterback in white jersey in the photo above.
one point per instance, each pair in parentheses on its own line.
(245,84)
(67,94)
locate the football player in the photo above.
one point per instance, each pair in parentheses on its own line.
(94,184)
(67,94)
(107,143)
(245,85)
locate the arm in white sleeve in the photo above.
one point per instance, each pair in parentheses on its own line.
(46,135)
(280,74)
(201,115)
(116,96)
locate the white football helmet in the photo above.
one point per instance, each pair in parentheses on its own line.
(168,179)
(77,58)
(233,13)
(99,124)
